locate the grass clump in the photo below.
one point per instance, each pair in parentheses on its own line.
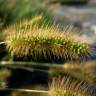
(68,87)
(48,43)
(27,24)
(12,11)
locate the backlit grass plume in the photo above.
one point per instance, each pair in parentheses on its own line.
(68,87)
(87,72)
(27,24)
(48,43)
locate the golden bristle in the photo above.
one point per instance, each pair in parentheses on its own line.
(68,87)
(49,42)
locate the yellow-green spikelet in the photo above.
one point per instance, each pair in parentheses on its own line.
(68,87)
(47,43)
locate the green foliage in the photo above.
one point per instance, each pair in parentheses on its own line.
(45,43)
(12,11)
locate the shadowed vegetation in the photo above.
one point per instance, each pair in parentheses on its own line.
(72,2)
(79,72)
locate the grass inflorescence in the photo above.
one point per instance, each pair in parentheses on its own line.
(47,43)
(68,87)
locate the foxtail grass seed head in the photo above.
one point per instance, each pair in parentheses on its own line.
(45,42)
(68,87)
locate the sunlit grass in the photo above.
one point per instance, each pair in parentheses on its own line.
(45,43)
(68,87)
(85,71)
(42,20)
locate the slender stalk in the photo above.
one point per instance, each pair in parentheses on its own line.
(32,64)
(2,43)
(24,90)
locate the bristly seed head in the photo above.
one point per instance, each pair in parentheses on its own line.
(49,42)
(68,87)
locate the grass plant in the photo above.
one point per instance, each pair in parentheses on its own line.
(68,87)
(76,70)
(48,43)
(12,11)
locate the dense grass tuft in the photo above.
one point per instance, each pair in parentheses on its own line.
(49,43)
(68,87)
